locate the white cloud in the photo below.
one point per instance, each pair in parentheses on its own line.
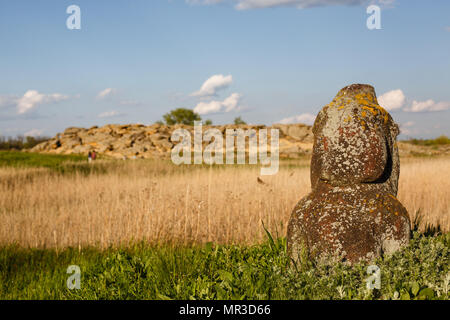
(33,133)
(9,100)
(407,131)
(395,99)
(392,100)
(212,85)
(208,107)
(306,118)
(106,93)
(427,106)
(32,98)
(109,114)
(209,89)
(405,128)
(300,4)
(229,104)
(407,124)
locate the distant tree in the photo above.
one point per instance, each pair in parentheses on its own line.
(182,116)
(208,122)
(239,120)
(20,142)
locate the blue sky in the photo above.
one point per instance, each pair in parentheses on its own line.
(133,61)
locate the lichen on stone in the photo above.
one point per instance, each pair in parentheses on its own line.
(352,212)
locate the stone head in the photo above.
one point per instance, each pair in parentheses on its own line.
(354,142)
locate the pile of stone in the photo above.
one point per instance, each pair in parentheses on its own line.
(154,141)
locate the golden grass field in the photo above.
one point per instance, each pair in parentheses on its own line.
(159,202)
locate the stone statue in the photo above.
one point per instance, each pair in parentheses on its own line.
(352,213)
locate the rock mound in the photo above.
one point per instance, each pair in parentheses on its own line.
(154,141)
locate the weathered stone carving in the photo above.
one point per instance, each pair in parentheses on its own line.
(352,213)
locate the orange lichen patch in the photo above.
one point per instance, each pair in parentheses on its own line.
(370,97)
(363,114)
(390,195)
(374,112)
(341,107)
(366,99)
(381,109)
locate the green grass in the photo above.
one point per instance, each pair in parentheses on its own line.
(141,271)
(439,141)
(64,164)
(420,271)
(69,164)
(36,160)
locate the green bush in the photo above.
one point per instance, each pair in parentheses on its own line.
(238,120)
(439,141)
(182,116)
(20,142)
(420,271)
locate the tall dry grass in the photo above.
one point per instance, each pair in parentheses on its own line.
(226,205)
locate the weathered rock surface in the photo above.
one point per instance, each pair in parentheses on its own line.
(154,141)
(352,213)
(135,140)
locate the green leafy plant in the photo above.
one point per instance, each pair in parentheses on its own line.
(181,116)
(239,120)
(441,140)
(419,271)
